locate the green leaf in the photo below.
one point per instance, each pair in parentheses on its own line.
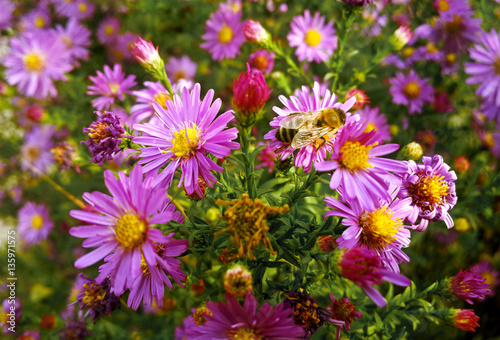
(273,182)
(236,162)
(287,255)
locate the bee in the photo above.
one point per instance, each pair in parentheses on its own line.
(304,128)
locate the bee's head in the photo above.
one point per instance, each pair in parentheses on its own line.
(339,114)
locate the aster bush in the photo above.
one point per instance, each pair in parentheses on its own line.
(257,169)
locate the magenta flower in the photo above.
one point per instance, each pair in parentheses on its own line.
(180,68)
(262,60)
(305,101)
(6,14)
(121,49)
(411,90)
(75,9)
(123,227)
(359,171)
(376,121)
(189,131)
(77,39)
(266,157)
(315,40)
(36,59)
(251,92)
(380,229)
(343,310)
(224,34)
(154,92)
(110,85)
(230,321)
(36,149)
(488,271)
(34,223)
(365,268)
(108,30)
(432,189)
(254,32)
(36,19)
(486,69)
(469,285)
(146,54)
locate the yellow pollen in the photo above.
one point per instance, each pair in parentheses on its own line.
(130,231)
(354,156)
(428,191)
(488,139)
(37,222)
(312,38)
(93,297)
(451,58)
(109,29)
(260,62)
(34,62)
(199,315)
(496,65)
(378,228)
(114,87)
(82,7)
(40,22)
(443,6)
(99,132)
(32,153)
(244,333)
(161,98)
(185,142)
(431,48)
(489,278)
(411,90)
(370,127)
(408,52)
(225,34)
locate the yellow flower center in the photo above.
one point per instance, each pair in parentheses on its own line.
(443,5)
(109,29)
(378,228)
(34,62)
(185,142)
(199,315)
(180,75)
(32,153)
(161,98)
(40,22)
(411,90)
(451,58)
(455,25)
(370,127)
(408,52)
(354,156)
(489,278)
(93,297)
(431,48)
(67,41)
(130,231)
(114,87)
(313,38)
(260,62)
(225,34)
(82,7)
(496,65)
(244,333)
(99,132)
(429,190)
(37,222)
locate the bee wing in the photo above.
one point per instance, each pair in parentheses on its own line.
(306,137)
(297,119)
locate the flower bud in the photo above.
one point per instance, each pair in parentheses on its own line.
(238,281)
(462,164)
(412,151)
(467,285)
(465,319)
(401,37)
(361,98)
(462,224)
(254,32)
(48,322)
(146,54)
(327,243)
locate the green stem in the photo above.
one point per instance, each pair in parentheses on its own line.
(300,189)
(344,31)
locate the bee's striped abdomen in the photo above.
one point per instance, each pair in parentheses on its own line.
(285,135)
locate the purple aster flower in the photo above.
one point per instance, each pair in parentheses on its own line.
(34,223)
(446,8)
(305,101)
(189,131)
(492,112)
(97,298)
(359,171)
(343,310)
(376,121)
(411,90)
(121,49)
(180,68)
(110,85)
(408,57)
(104,137)
(375,20)
(6,15)
(262,60)
(429,52)
(77,39)
(468,285)
(149,285)
(108,29)
(38,18)
(230,321)
(36,59)
(36,149)
(486,69)
(75,9)
(365,268)
(123,226)
(488,271)
(224,34)
(380,229)
(432,189)
(154,92)
(315,40)
(187,323)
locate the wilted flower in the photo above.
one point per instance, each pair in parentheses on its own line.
(327,243)
(97,298)
(75,330)
(267,157)
(65,153)
(469,285)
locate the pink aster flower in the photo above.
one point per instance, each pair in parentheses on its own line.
(121,49)
(359,171)
(432,189)
(376,121)
(108,30)
(77,40)
(38,18)
(189,131)
(231,321)
(469,285)
(488,271)
(486,69)
(411,90)
(180,68)
(154,92)
(365,268)
(110,85)
(262,60)
(75,9)
(36,59)
(380,229)
(36,149)
(251,93)
(315,40)
(123,227)
(224,34)
(34,223)
(343,310)
(305,101)
(6,14)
